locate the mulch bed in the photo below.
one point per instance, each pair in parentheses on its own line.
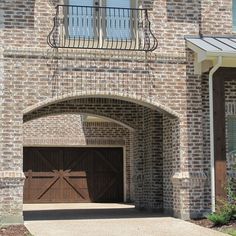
(203,222)
(208,224)
(14,230)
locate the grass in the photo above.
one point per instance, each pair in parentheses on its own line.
(230,231)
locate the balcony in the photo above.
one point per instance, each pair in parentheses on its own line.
(107,28)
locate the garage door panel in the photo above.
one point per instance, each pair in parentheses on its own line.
(73,175)
(77,160)
(108,187)
(106,160)
(41,159)
(74,192)
(49,191)
(80,182)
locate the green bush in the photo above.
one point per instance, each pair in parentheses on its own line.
(219,218)
(226,208)
(225,212)
(230,209)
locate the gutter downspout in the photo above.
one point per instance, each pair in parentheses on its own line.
(212,147)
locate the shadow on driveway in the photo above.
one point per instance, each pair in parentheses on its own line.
(86,214)
(104,220)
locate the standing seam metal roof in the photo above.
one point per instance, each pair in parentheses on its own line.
(214,44)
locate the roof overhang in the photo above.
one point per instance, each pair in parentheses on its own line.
(208,49)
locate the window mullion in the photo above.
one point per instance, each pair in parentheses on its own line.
(100,22)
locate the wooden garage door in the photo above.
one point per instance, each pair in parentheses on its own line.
(73,175)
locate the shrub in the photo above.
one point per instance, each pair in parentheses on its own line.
(225,212)
(230,209)
(219,218)
(227,208)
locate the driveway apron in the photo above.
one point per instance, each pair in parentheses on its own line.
(104,220)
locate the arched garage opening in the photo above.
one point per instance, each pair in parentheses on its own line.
(136,141)
(76,158)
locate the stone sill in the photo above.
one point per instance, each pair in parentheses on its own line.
(12,174)
(75,54)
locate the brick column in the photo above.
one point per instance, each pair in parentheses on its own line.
(153,161)
(11,176)
(149,162)
(138,169)
(189,178)
(11,197)
(188,195)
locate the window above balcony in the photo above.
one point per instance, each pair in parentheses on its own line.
(117,25)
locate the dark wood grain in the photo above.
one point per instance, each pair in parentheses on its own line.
(65,175)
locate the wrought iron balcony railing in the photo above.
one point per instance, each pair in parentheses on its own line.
(95,27)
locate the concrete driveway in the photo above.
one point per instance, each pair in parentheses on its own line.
(104,220)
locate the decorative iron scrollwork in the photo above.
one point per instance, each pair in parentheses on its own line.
(108,28)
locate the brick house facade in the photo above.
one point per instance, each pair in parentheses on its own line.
(152,104)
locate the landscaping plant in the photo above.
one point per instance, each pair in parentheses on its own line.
(226,208)
(219,219)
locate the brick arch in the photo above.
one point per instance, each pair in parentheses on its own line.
(99,116)
(150,124)
(121,111)
(139,100)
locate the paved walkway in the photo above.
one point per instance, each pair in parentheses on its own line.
(104,220)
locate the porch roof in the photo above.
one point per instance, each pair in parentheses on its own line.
(209,48)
